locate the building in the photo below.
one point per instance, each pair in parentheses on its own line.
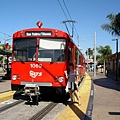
(112,62)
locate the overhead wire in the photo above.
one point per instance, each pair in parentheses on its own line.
(67,12)
(69,17)
(65,16)
(67,9)
(62,9)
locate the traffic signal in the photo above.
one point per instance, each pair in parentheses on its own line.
(6,46)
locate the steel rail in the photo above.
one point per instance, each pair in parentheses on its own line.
(10,105)
(39,115)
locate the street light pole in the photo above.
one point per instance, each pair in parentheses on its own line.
(107,62)
(94,54)
(116,57)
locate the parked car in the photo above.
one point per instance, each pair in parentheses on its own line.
(100,66)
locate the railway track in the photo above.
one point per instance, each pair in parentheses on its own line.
(10,105)
(39,115)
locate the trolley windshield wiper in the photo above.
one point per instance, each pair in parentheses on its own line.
(21,60)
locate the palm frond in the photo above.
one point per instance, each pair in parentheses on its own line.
(114,26)
(111,17)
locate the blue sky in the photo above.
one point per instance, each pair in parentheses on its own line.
(88,14)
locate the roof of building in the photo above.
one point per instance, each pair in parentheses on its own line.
(114,55)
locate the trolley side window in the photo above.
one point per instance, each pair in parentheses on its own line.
(24,49)
(69,55)
(52,50)
(77,57)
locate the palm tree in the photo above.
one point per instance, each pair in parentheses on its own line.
(104,52)
(89,52)
(114,26)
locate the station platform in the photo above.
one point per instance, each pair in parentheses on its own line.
(75,112)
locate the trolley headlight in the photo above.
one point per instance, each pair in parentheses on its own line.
(14,77)
(61,79)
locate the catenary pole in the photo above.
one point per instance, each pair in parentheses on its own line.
(116,58)
(94,54)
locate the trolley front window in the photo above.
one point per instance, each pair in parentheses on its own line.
(24,49)
(52,50)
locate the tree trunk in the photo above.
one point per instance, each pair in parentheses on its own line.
(104,67)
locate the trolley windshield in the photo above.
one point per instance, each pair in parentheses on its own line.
(52,50)
(24,49)
(49,50)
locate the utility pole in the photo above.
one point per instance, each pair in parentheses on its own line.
(94,54)
(94,51)
(116,57)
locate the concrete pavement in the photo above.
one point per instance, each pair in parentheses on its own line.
(5,85)
(106,105)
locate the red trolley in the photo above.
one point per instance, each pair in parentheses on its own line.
(40,56)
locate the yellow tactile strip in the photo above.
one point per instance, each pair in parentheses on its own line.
(75,112)
(6,95)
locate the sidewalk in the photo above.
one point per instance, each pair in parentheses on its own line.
(106,105)
(5,85)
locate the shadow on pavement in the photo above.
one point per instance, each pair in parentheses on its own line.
(114,113)
(78,112)
(103,81)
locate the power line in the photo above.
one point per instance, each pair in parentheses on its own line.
(65,16)
(69,16)
(67,9)
(5,34)
(68,13)
(70,19)
(62,9)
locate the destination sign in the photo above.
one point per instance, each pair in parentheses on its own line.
(38,33)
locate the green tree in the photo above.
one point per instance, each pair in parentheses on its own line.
(89,52)
(104,51)
(98,58)
(114,26)
(2,47)
(2,57)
